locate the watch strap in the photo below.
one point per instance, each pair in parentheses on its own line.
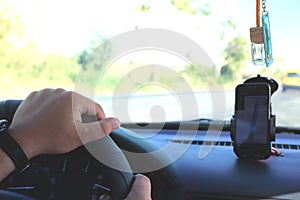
(13,150)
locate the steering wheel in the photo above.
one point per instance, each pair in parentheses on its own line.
(165,184)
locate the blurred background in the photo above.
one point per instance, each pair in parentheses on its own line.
(47,43)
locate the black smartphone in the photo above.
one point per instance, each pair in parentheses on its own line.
(252,121)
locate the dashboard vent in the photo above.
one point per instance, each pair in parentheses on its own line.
(228,143)
(202,142)
(286,146)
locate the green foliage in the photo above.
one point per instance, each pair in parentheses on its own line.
(92,62)
(229,26)
(20,59)
(200,77)
(191,7)
(11,27)
(144,7)
(96,55)
(56,67)
(236,55)
(12,42)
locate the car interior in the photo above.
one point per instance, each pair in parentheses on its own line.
(203,89)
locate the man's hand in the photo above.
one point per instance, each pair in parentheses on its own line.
(49,122)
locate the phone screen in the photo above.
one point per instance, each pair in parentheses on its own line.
(252,116)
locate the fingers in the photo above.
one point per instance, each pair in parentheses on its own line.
(141,188)
(81,105)
(85,106)
(142,181)
(89,132)
(53,118)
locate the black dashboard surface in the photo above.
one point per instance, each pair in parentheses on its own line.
(219,174)
(202,168)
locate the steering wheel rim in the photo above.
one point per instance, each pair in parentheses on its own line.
(121,181)
(8,195)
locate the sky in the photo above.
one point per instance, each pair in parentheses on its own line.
(68,26)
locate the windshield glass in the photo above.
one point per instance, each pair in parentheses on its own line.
(148,60)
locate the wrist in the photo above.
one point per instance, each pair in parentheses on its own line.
(12,148)
(24,141)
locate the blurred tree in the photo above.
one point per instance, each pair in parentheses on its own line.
(56,67)
(200,76)
(229,27)
(92,59)
(83,56)
(11,36)
(236,56)
(192,7)
(188,6)
(96,55)
(11,27)
(16,53)
(145,7)
(20,57)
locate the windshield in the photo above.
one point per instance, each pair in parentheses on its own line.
(148,60)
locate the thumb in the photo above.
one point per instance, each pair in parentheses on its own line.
(109,124)
(92,131)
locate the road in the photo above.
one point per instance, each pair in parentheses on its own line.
(286,107)
(186,106)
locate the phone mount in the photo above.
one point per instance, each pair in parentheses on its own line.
(271,122)
(260,79)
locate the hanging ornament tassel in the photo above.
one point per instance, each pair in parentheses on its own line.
(267,35)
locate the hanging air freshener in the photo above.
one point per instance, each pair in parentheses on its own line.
(261,46)
(257,40)
(257,46)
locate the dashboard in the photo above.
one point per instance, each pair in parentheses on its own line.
(191,175)
(221,175)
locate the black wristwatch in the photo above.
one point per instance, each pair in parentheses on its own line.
(12,148)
